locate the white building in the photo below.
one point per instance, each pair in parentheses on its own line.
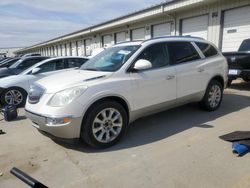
(9,52)
(224,22)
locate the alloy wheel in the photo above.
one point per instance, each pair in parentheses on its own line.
(214,96)
(14,97)
(107,125)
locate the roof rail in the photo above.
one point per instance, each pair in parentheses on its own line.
(168,37)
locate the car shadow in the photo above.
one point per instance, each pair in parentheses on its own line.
(165,124)
(242,86)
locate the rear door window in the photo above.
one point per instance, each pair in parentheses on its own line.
(207,49)
(182,52)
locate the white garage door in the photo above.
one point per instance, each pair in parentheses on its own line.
(107,41)
(63,50)
(68,49)
(73,47)
(138,34)
(79,48)
(236,28)
(59,50)
(55,51)
(87,47)
(161,30)
(120,37)
(195,27)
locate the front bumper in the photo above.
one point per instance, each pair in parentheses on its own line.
(66,131)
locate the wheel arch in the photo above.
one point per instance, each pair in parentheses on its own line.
(115,98)
(219,79)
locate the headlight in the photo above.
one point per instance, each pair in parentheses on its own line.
(66,96)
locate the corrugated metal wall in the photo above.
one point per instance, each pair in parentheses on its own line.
(214,9)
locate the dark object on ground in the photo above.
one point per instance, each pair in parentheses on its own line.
(239,62)
(236,136)
(240,149)
(241,141)
(10,112)
(26,178)
(2,132)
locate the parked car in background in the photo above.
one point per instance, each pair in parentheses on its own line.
(4,59)
(20,66)
(124,83)
(14,89)
(9,62)
(239,62)
(31,54)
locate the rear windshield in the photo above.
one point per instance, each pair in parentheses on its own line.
(245,46)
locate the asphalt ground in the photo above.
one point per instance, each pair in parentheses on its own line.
(176,148)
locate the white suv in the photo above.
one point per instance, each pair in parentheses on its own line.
(124,83)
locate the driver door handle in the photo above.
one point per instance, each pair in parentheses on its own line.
(170,77)
(201,70)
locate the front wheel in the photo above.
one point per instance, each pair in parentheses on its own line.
(104,124)
(14,96)
(213,96)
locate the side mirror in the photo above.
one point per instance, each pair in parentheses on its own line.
(35,70)
(142,64)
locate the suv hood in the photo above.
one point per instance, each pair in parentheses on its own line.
(60,81)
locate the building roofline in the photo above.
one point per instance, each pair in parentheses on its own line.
(157,6)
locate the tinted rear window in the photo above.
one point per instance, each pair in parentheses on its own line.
(207,49)
(182,52)
(245,46)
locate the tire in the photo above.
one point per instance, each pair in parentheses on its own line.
(246,79)
(19,94)
(104,124)
(229,82)
(213,96)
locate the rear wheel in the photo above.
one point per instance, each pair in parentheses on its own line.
(213,96)
(229,82)
(14,96)
(104,124)
(246,79)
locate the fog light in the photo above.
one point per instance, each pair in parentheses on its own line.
(58,121)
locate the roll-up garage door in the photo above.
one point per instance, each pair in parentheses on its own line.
(107,41)
(73,47)
(87,43)
(55,51)
(79,48)
(236,28)
(138,34)
(63,50)
(120,37)
(195,27)
(59,50)
(68,49)
(161,30)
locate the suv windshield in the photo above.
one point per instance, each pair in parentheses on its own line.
(245,46)
(111,59)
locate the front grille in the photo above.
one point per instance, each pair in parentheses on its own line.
(35,93)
